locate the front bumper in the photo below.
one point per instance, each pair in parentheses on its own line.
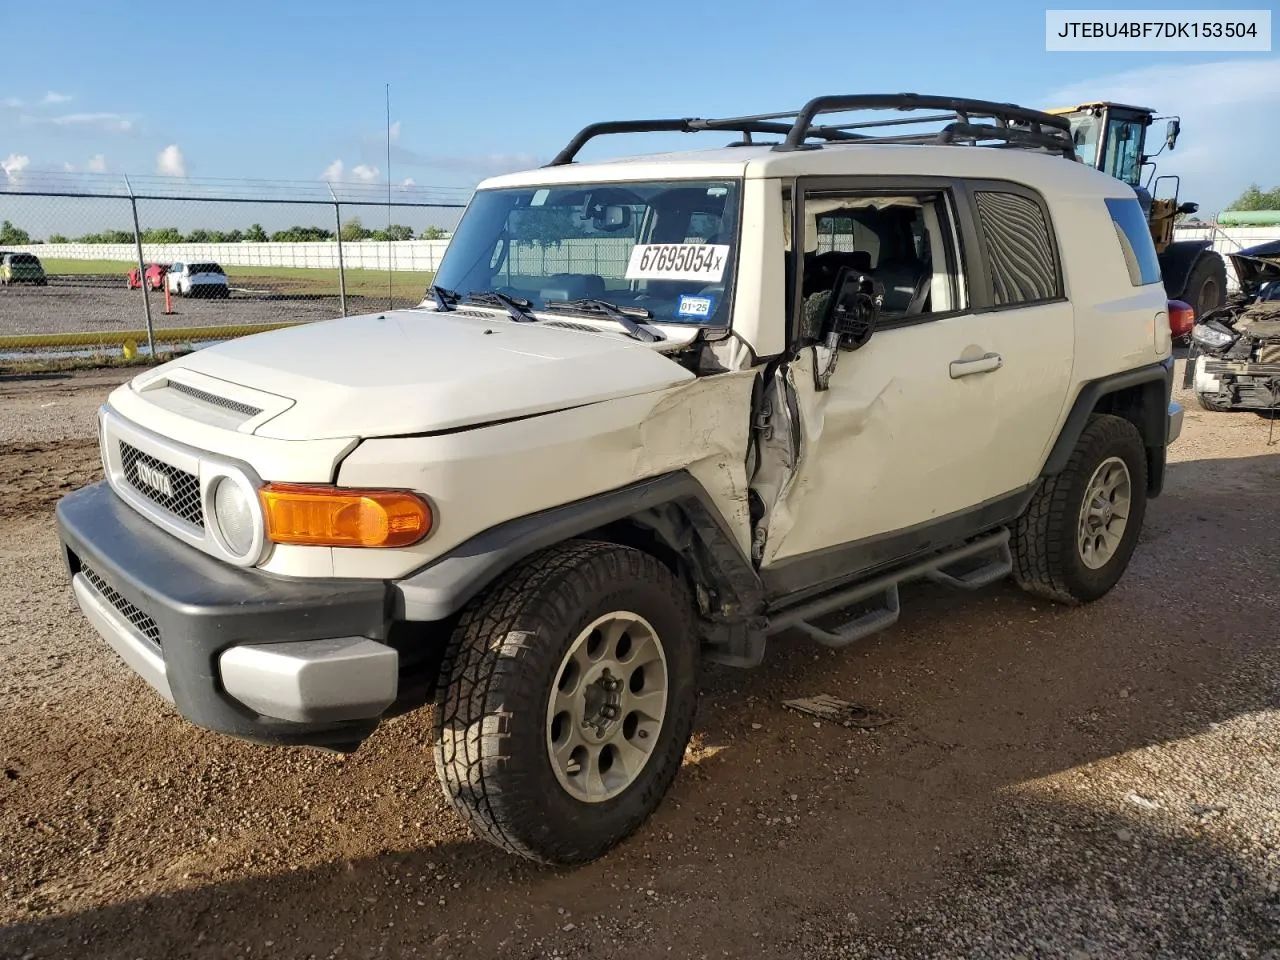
(1238,383)
(237,651)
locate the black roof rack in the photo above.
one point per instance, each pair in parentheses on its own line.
(1010,125)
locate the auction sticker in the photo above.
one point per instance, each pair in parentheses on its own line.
(678,261)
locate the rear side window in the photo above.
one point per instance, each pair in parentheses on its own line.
(1135,240)
(1024,268)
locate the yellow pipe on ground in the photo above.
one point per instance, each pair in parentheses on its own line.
(28,341)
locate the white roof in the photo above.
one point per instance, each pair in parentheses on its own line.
(1047,172)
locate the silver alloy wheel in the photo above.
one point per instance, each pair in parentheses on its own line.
(606,710)
(1105,512)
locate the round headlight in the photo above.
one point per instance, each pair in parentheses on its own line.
(233,514)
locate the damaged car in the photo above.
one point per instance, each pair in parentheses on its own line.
(1234,363)
(654,412)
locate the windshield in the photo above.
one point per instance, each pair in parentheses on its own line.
(668,247)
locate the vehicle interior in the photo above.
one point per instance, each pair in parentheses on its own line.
(897,240)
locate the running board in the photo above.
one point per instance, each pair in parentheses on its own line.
(971,567)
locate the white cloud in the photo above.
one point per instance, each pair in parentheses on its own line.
(333,171)
(170,162)
(394,131)
(408,182)
(13,103)
(52,97)
(1223,147)
(111,122)
(96,164)
(14,164)
(365,173)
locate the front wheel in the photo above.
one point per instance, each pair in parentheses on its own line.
(568,700)
(1075,539)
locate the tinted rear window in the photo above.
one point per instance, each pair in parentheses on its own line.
(205,268)
(1135,240)
(23,258)
(1024,268)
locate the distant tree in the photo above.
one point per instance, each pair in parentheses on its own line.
(232,236)
(1255,198)
(255,234)
(394,232)
(57,238)
(433,233)
(107,236)
(162,235)
(201,236)
(13,236)
(353,229)
(296,234)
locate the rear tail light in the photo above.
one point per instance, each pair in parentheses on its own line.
(1182,317)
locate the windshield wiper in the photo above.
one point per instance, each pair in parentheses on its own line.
(519,310)
(444,298)
(613,312)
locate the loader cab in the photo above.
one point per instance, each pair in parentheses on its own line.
(1111,137)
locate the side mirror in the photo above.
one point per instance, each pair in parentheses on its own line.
(1171,131)
(853,311)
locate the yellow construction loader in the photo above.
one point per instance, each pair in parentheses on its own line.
(1111,137)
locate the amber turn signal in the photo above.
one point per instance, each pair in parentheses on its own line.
(342,517)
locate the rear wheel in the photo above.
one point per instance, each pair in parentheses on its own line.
(1206,286)
(568,700)
(1074,541)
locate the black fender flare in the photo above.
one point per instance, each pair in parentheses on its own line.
(674,506)
(1150,415)
(1176,263)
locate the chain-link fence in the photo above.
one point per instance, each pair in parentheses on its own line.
(93,262)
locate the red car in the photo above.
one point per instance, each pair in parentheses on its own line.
(155,276)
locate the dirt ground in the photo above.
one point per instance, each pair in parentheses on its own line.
(1075,783)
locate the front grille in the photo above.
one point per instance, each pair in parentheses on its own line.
(140,621)
(175,490)
(215,400)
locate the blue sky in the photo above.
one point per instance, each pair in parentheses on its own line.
(295,91)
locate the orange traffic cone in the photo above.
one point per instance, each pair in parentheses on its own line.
(168,303)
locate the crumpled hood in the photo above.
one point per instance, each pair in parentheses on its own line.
(421,371)
(1257,265)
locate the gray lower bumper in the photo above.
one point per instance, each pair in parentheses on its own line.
(270,659)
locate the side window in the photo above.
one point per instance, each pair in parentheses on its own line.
(902,240)
(1024,268)
(1135,240)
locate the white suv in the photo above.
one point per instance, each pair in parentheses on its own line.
(654,411)
(201,279)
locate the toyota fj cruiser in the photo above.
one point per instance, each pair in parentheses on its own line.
(653,411)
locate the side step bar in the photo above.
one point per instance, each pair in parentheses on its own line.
(993,561)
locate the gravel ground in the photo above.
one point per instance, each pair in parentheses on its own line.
(1084,783)
(79,306)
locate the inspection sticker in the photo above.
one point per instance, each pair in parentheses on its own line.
(678,261)
(695,308)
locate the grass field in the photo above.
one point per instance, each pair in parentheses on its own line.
(297,280)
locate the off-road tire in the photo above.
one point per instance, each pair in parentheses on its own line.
(1209,269)
(1210,402)
(1046,553)
(497,676)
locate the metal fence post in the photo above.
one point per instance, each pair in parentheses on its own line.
(142,271)
(342,270)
